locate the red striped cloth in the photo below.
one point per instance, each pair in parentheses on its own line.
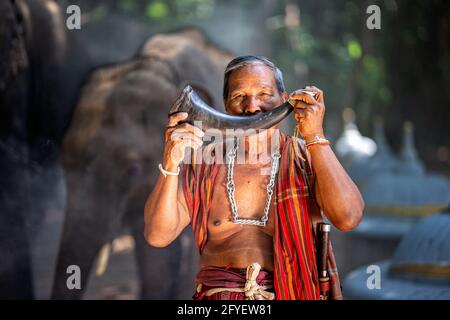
(224,295)
(295,269)
(214,277)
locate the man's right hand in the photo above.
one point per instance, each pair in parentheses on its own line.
(178,137)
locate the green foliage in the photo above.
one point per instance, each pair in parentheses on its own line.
(157,10)
(194,9)
(373,80)
(331,49)
(128,5)
(354,49)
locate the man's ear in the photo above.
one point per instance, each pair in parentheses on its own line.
(285,96)
(225,105)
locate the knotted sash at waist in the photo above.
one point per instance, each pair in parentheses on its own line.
(252,282)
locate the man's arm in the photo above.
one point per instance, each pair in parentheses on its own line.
(336,194)
(166,213)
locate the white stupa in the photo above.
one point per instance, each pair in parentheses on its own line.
(419,268)
(408,190)
(352,146)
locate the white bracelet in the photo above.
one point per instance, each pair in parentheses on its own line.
(166,173)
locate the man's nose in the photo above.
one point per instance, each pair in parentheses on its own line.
(253,106)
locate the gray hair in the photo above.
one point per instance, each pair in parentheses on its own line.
(242,61)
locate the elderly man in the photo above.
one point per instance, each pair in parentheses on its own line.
(250,246)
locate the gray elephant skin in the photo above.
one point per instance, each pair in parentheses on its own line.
(111,154)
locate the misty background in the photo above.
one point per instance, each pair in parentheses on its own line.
(82,113)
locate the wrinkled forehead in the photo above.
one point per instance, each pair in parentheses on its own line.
(252,74)
(245,63)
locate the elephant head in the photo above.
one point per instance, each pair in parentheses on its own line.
(112,150)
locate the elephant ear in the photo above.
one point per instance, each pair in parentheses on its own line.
(87,120)
(13,55)
(193,60)
(215,52)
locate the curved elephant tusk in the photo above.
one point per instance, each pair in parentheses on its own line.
(210,118)
(103,258)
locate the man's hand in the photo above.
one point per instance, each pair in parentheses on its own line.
(309,111)
(178,137)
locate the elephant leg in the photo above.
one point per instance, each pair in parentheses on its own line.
(158,268)
(189,265)
(15,268)
(164,273)
(80,244)
(87,227)
(15,271)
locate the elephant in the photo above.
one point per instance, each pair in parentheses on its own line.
(15,269)
(42,68)
(111,153)
(32,53)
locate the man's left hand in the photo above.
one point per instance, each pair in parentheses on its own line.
(309,111)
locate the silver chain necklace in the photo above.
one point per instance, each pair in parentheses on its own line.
(231,188)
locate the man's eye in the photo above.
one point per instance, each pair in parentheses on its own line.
(241,95)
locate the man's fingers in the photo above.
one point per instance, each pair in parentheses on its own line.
(318,93)
(303,96)
(187,129)
(186,136)
(175,118)
(190,128)
(301,113)
(188,142)
(298,104)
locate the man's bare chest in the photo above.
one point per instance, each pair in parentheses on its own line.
(250,197)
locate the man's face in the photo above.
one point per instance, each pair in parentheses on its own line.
(252,89)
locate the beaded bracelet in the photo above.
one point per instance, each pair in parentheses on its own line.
(317,140)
